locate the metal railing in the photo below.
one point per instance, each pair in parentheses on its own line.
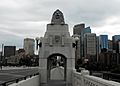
(111,76)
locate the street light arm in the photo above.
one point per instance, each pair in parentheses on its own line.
(38,43)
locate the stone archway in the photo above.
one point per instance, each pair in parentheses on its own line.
(54,62)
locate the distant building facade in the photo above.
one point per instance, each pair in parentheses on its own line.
(97,47)
(103,39)
(80,30)
(90,48)
(29,45)
(9,51)
(87,30)
(0,55)
(115,40)
(116,37)
(110,45)
(15,59)
(119,46)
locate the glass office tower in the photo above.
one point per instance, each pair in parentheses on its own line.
(103,41)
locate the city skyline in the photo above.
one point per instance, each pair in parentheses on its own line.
(21,19)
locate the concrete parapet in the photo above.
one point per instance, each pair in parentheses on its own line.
(84,79)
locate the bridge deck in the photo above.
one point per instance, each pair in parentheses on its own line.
(57,75)
(57,78)
(56,83)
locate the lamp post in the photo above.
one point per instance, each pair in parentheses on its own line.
(37,42)
(1,60)
(76,49)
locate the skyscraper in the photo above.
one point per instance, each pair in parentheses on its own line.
(90,48)
(80,30)
(87,30)
(98,47)
(103,42)
(29,46)
(116,37)
(9,51)
(110,45)
(115,40)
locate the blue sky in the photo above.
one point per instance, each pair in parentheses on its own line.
(28,18)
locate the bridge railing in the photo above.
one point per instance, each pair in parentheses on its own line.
(84,79)
(111,76)
(33,81)
(17,80)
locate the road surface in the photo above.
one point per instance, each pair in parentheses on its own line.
(56,83)
(57,75)
(13,74)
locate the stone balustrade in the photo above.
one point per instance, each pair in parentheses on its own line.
(84,79)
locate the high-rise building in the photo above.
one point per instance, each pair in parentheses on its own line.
(0,53)
(116,37)
(87,30)
(110,45)
(119,46)
(80,30)
(90,48)
(103,42)
(9,51)
(115,40)
(98,47)
(29,45)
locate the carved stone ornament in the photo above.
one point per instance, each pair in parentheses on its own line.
(57,38)
(57,17)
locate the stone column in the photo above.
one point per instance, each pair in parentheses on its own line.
(43,70)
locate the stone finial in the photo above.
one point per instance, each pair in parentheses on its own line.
(57,17)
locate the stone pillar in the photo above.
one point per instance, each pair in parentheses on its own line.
(84,72)
(43,70)
(70,67)
(57,40)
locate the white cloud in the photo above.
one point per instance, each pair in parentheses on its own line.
(111,27)
(28,18)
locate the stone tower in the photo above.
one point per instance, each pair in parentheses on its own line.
(56,41)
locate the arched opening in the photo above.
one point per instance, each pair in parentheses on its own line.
(56,67)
